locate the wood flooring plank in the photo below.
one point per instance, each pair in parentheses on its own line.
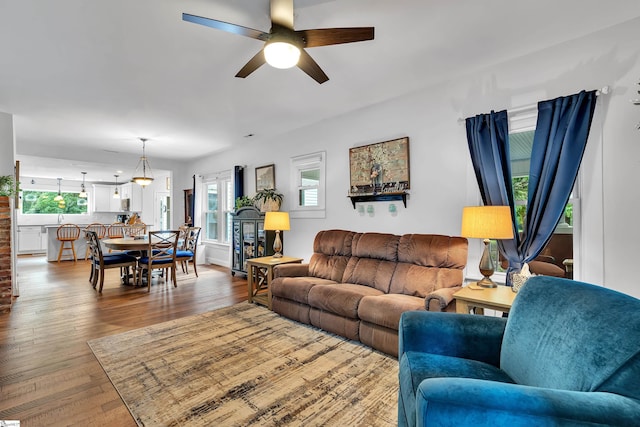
(48,374)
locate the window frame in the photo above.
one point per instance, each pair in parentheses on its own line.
(298,165)
(224,183)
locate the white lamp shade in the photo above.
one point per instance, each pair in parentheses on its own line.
(281,54)
(276,221)
(487,222)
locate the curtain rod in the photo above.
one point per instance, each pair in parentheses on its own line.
(603,91)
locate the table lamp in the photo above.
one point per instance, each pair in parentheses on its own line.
(487,222)
(278,221)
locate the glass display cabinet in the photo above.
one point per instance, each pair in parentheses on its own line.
(250,239)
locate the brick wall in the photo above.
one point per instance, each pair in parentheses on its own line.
(5,255)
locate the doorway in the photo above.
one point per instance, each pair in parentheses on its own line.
(163,210)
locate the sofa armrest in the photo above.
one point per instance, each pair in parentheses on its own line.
(465,401)
(290,270)
(451,334)
(440,299)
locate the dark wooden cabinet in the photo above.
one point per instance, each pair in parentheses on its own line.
(250,239)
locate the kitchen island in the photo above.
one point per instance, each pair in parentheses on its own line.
(53,244)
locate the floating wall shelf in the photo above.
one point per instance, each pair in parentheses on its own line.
(380,197)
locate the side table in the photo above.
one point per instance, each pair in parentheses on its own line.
(260,274)
(499,299)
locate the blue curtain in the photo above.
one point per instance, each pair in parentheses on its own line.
(558,147)
(488,138)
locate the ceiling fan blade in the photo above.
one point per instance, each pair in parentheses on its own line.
(329,36)
(254,63)
(311,67)
(282,13)
(225,26)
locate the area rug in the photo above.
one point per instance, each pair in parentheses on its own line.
(245,365)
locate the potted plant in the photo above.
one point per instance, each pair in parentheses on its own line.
(243,202)
(7,186)
(268,199)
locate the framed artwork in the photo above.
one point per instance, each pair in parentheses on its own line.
(266,177)
(378,168)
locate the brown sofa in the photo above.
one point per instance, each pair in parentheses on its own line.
(358,284)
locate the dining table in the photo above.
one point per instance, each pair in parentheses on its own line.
(137,243)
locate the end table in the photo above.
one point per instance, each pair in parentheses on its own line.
(260,274)
(499,298)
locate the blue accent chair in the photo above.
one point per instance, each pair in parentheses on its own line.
(568,354)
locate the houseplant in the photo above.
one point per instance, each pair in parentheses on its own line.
(243,202)
(268,199)
(7,186)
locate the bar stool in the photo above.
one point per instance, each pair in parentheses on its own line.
(67,234)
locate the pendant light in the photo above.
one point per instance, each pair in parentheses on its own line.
(59,197)
(142,176)
(83,192)
(116,195)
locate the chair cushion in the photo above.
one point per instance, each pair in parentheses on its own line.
(145,260)
(118,259)
(416,367)
(181,253)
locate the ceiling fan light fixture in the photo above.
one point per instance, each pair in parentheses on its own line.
(281,54)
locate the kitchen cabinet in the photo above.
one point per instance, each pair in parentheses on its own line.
(250,239)
(103,200)
(133,192)
(31,240)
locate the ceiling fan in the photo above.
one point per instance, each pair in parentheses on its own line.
(284,46)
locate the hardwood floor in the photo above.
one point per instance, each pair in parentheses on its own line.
(48,374)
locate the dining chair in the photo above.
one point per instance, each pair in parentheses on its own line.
(67,234)
(187,252)
(101,231)
(101,262)
(116,231)
(161,254)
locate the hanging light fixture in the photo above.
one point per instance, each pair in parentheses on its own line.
(83,192)
(116,195)
(59,197)
(146,177)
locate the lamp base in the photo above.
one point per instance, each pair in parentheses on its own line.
(486,282)
(277,246)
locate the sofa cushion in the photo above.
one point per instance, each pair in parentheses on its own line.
(373,261)
(331,253)
(341,299)
(427,262)
(296,288)
(385,310)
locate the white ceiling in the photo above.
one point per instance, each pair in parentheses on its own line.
(91,77)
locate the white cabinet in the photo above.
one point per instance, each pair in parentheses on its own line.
(103,200)
(31,240)
(133,192)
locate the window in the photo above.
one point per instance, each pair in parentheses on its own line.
(218,204)
(308,186)
(42,202)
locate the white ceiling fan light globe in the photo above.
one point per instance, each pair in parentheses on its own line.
(281,54)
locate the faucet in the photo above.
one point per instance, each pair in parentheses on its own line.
(60,218)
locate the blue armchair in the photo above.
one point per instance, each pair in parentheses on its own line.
(568,354)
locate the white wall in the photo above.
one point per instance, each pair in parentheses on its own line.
(442,181)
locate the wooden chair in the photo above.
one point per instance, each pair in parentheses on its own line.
(100,262)
(101,231)
(188,250)
(116,231)
(137,229)
(161,254)
(67,234)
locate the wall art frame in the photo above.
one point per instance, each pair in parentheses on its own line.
(266,177)
(380,168)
